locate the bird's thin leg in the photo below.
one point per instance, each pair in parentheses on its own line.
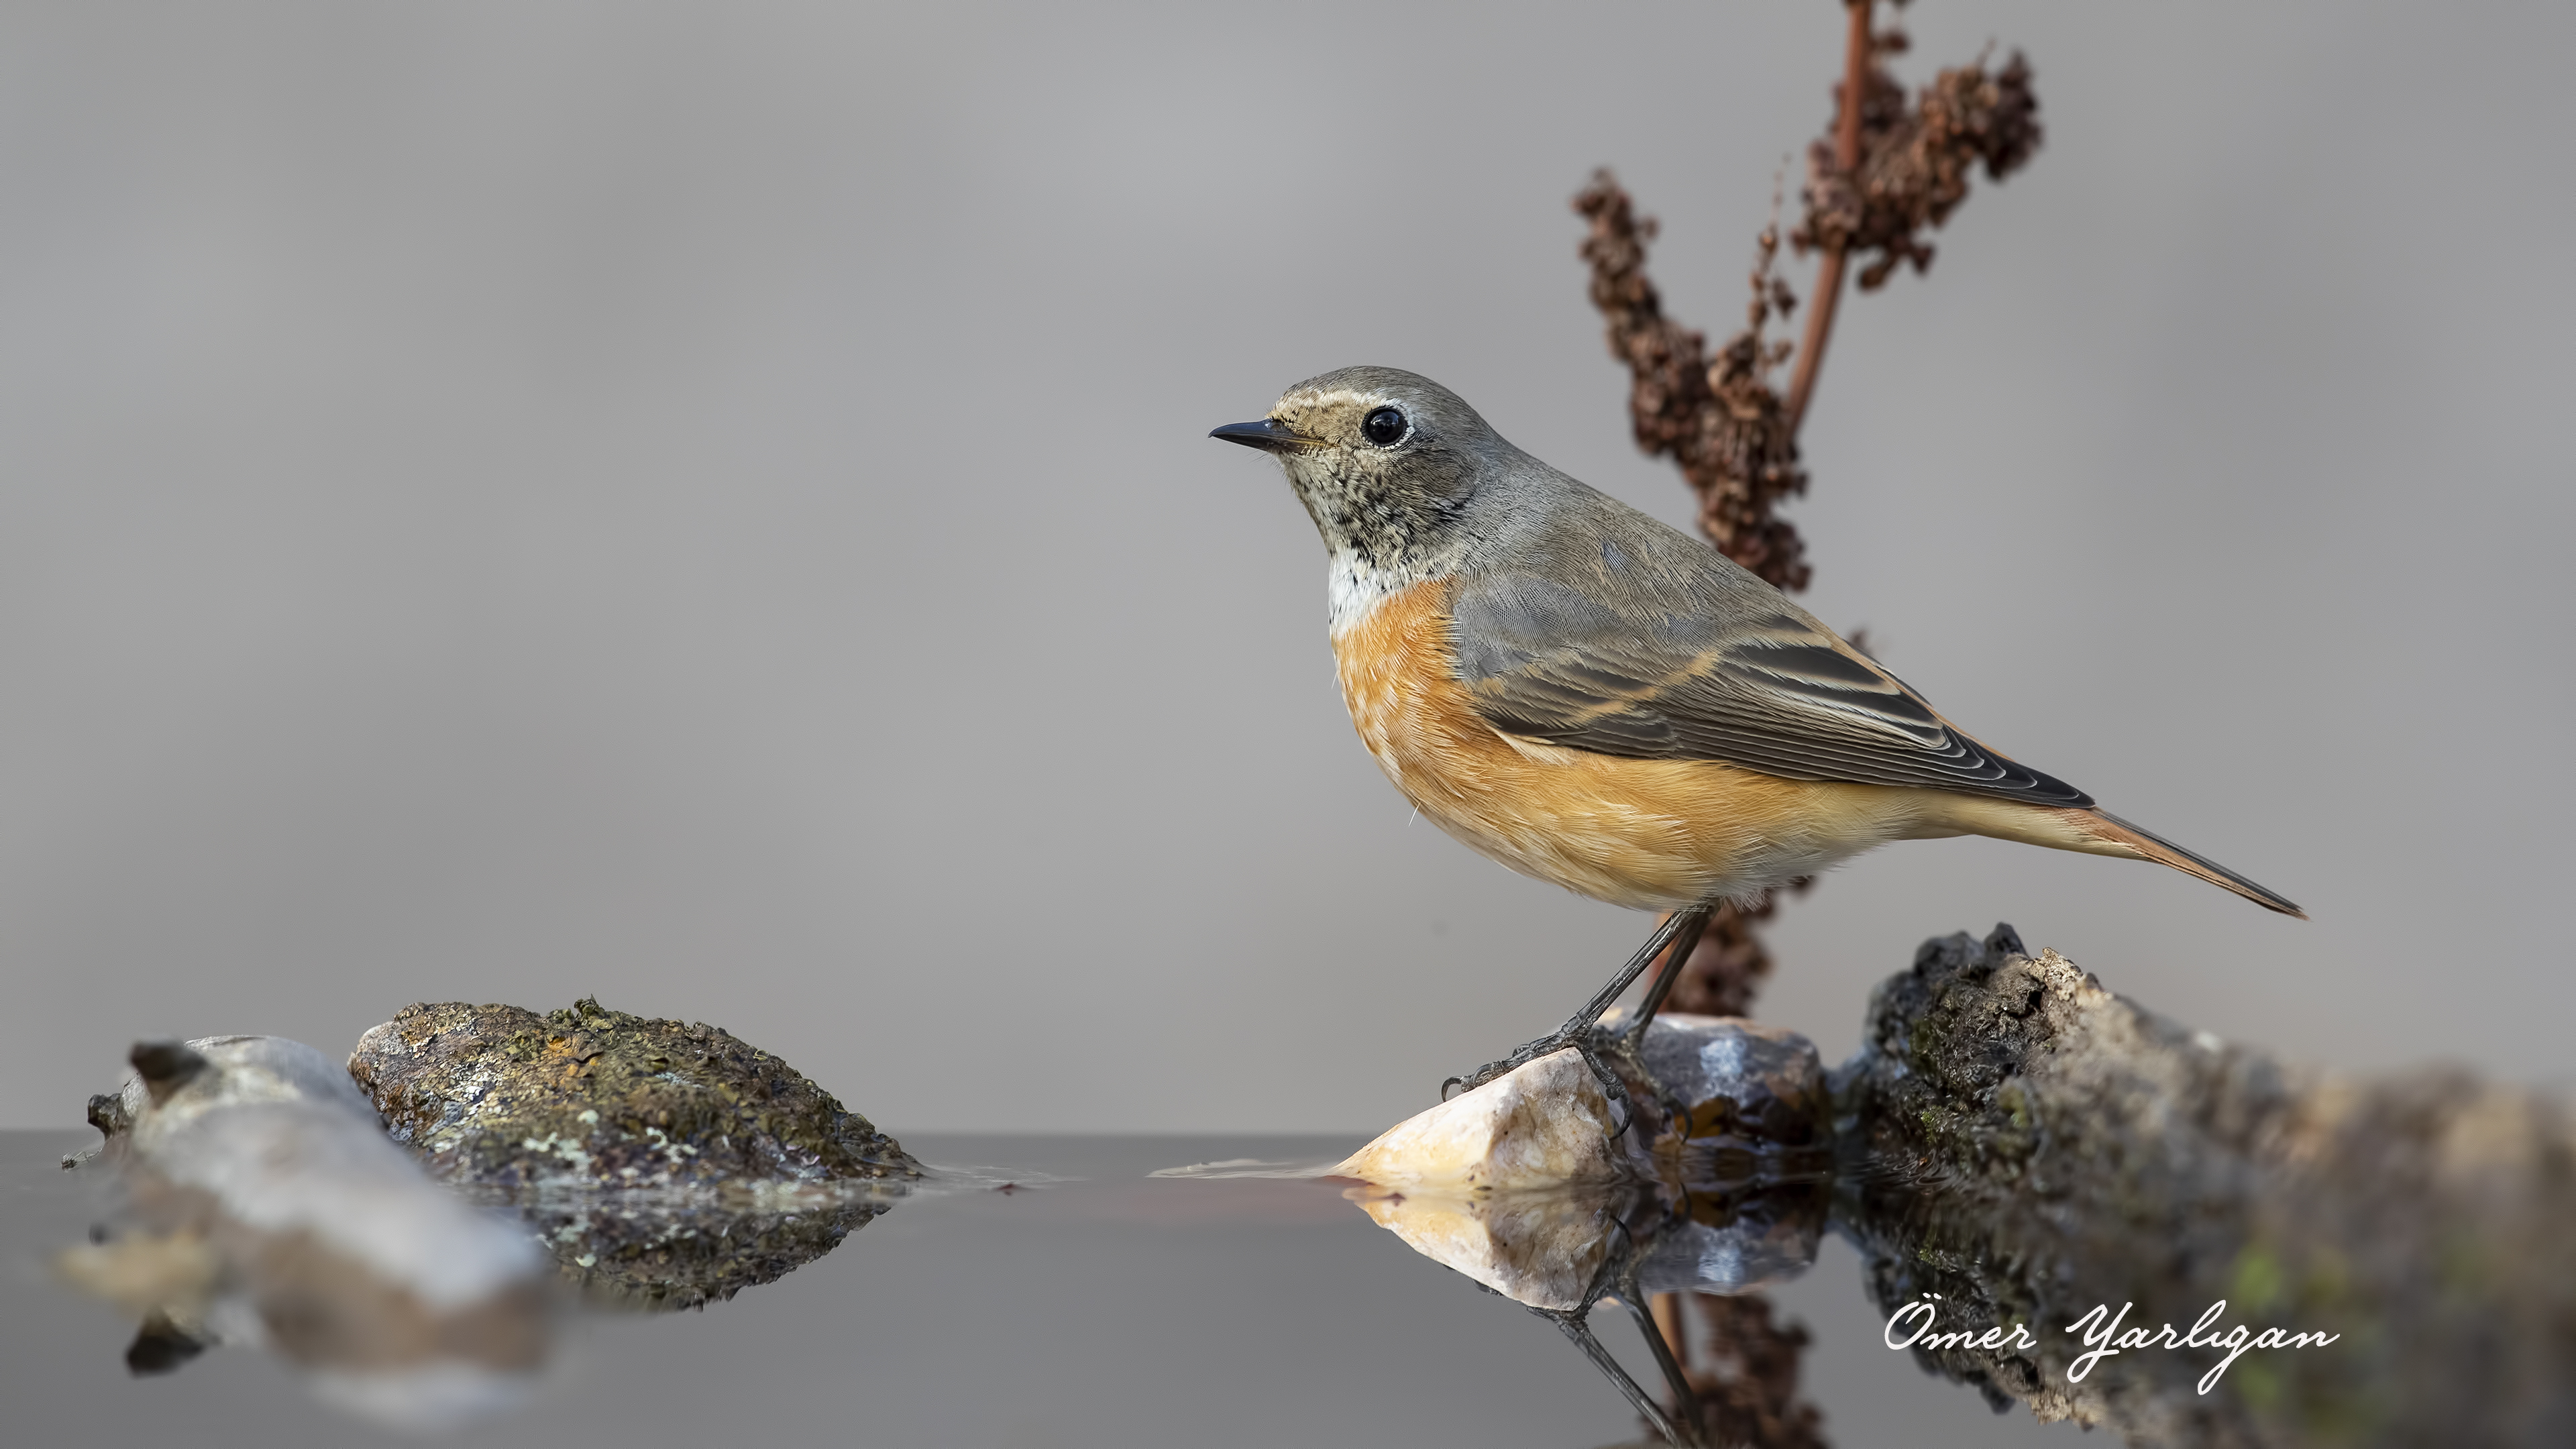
(1664,936)
(1684,942)
(1577,1030)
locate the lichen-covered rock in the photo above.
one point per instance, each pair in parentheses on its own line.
(2034,1148)
(501,1096)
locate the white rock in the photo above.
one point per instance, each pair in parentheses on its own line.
(1520,1186)
(270,1208)
(280,1138)
(1541,1127)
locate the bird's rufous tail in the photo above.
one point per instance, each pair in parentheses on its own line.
(2091,831)
(2115,832)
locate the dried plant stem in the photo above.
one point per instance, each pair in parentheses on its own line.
(1890,172)
(1886,170)
(1667,1311)
(1827,295)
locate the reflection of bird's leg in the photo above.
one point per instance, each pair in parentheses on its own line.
(1577,1032)
(1685,1399)
(1619,1271)
(1644,1403)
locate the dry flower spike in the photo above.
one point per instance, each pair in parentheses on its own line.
(1884,173)
(1915,161)
(1717,418)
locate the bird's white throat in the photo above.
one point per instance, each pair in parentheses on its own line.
(1354,587)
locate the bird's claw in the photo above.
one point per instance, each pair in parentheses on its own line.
(1611,1086)
(1477,1078)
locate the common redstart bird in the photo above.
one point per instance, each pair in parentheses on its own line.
(1595,699)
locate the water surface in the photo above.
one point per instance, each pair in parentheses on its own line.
(1107,1307)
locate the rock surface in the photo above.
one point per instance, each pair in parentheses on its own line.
(1716,1186)
(2032,1146)
(589,1097)
(1720,1102)
(263,1202)
(1742,1102)
(1541,1127)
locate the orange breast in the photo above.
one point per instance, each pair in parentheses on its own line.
(1653,834)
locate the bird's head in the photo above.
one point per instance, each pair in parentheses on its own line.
(1385,461)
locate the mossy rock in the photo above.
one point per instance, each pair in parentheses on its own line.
(589,1097)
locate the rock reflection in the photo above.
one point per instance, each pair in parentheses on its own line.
(1718,1186)
(1562,1254)
(254,1200)
(2062,1200)
(656,1252)
(1559,1250)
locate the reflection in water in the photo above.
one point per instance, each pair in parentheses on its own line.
(2059,1199)
(1718,1184)
(2071,1204)
(657,1252)
(1561,1254)
(261,1204)
(2165,1211)
(1742,1366)
(374,1350)
(255,1201)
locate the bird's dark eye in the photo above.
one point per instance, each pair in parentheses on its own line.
(1385,427)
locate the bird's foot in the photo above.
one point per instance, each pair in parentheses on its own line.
(1584,1039)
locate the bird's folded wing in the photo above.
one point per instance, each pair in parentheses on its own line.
(1675,674)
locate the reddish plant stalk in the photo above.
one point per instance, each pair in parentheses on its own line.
(1828,292)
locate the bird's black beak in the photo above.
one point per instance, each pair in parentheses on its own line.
(1269,435)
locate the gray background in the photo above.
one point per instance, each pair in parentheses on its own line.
(707,506)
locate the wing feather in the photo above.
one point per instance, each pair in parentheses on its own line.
(1673,672)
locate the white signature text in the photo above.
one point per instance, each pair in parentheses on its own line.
(1918,1322)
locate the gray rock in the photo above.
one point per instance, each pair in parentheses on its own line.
(1726,1102)
(589,1097)
(2029,1146)
(666,1165)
